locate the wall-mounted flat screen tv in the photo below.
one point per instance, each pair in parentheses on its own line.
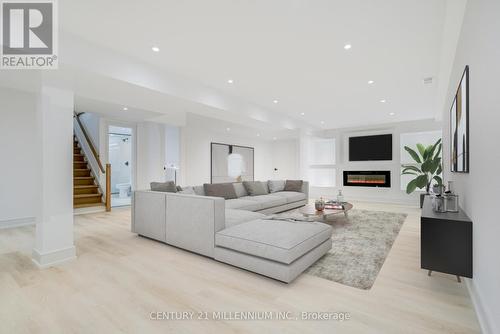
(370,148)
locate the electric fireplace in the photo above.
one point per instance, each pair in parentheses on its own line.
(372,178)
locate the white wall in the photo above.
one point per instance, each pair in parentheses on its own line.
(18,151)
(196,137)
(150,154)
(393,194)
(172,145)
(285,158)
(91,122)
(479,48)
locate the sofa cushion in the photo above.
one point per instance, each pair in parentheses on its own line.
(240,190)
(243,204)
(224,190)
(293,185)
(267,201)
(291,196)
(235,217)
(255,188)
(168,187)
(187,191)
(274,186)
(276,240)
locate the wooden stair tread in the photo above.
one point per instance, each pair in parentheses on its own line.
(86,186)
(81,169)
(83,177)
(87,205)
(87,195)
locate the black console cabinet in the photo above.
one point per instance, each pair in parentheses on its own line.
(445,241)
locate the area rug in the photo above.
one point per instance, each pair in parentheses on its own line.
(361,244)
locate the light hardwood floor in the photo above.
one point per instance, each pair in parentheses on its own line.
(119,278)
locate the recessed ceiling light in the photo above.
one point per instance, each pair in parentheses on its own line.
(392,113)
(347,46)
(383,101)
(322,122)
(274,138)
(125,108)
(275,101)
(258,134)
(228,129)
(230,81)
(370,82)
(155,49)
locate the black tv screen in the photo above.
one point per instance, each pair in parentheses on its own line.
(370,148)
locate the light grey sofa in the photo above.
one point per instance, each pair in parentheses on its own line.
(234,231)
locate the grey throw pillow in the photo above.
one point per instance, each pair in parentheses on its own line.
(255,188)
(224,190)
(293,185)
(240,190)
(168,187)
(275,186)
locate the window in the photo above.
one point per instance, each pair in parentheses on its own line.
(411,140)
(321,164)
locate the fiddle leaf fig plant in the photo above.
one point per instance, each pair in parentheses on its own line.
(427,168)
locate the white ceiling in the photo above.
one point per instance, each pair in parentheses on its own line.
(113,111)
(290,50)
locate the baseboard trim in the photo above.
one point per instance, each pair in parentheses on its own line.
(481,312)
(17,222)
(49,259)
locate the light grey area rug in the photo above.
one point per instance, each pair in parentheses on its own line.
(361,244)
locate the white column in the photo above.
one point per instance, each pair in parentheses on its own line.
(54,220)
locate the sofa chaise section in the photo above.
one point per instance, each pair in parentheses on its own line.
(278,249)
(277,240)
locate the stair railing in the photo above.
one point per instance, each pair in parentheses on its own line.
(94,159)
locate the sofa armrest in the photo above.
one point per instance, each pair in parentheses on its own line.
(305,188)
(186,221)
(192,221)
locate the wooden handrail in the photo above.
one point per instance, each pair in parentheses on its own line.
(89,141)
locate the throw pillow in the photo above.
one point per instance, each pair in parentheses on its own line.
(240,190)
(199,190)
(275,186)
(266,187)
(293,185)
(168,187)
(224,190)
(255,188)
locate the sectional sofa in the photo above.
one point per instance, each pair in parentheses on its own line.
(237,231)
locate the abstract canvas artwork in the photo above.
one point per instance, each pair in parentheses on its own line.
(231,163)
(459,125)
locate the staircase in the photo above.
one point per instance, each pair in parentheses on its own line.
(86,192)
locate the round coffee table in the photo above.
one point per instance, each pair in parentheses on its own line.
(310,211)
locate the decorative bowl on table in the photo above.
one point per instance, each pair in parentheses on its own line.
(319,204)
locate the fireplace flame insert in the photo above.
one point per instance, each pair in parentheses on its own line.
(372,178)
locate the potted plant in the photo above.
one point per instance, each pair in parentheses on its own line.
(427,169)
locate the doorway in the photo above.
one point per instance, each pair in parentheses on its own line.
(120,158)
